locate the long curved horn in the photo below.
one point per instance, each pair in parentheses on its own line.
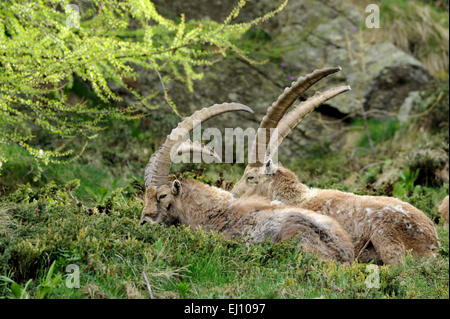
(195,147)
(158,167)
(290,120)
(276,112)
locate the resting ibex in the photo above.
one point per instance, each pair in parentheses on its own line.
(382,228)
(213,209)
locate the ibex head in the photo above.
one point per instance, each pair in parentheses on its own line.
(162,200)
(161,203)
(255,181)
(258,176)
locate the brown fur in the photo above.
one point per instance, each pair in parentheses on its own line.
(201,206)
(382,228)
(443,210)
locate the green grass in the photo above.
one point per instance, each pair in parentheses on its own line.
(380,130)
(42,225)
(113,251)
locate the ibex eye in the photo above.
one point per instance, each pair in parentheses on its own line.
(162,196)
(250,177)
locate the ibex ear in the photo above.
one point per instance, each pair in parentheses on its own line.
(176,187)
(269,168)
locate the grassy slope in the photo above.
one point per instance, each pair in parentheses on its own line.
(41,223)
(112,251)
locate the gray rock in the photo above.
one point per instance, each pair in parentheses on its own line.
(309,34)
(390,78)
(380,74)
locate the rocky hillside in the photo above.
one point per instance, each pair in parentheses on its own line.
(386,80)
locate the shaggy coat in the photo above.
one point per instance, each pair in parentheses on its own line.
(382,228)
(212,209)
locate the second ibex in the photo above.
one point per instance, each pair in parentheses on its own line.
(382,228)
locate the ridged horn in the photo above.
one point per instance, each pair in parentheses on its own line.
(290,120)
(195,147)
(276,112)
(158,167)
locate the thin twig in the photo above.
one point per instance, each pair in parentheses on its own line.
(166,96)
(264,75)
(371,164)
(149,288)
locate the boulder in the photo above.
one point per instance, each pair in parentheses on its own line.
(308,35)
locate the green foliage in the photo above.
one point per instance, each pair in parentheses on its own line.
(15,290)
(51,231)
(405,185)
(372,173)
(427,199)
(47,47)
(97,181)
(48,283)
(319,169)
(380,130)
(260,42)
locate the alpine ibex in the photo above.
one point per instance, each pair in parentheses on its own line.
(382,228)
(213,209)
